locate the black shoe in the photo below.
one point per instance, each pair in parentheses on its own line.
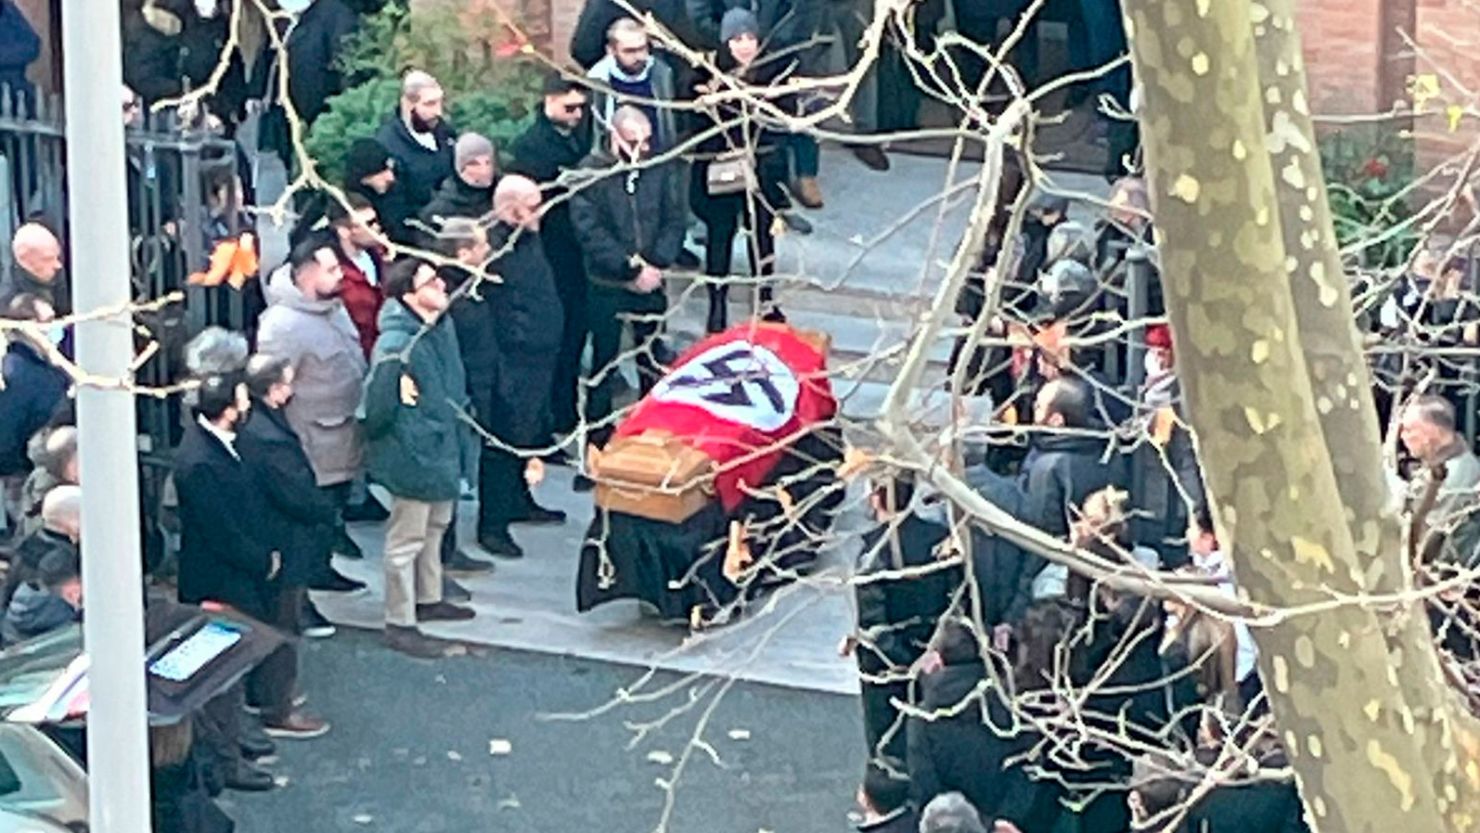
(367,510)
(796,222)
(254,747)
(872,156)
(500,544)
(540,516)
(443,612)
(414,643)
(582,483)
(346,546)
(718,319)
(774,315)
(462,564)
(315,626)
(249,779)
(338,582)
(454,592)
(686,260)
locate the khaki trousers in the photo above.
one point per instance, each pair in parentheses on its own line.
(413,561)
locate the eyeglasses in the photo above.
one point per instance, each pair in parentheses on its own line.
(434,279)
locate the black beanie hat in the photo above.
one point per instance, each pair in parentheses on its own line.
(367,157)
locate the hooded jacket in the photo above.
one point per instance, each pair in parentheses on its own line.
(321,342)
(418,444)
(33,611)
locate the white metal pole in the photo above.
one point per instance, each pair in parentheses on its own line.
(113,631)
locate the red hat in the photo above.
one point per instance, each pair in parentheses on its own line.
(1159,336)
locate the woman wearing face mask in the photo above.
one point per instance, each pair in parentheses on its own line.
(738,169)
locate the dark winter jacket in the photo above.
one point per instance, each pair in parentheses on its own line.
(25,563)
(224,554)
(57,291)
(32,392)
(313,55)
(903,820)
(298,520)
(996,561)
(625,215)
(1061,470)
(35,610)
(1260,807)
(419,170)
(543,153)
(19,46)
(419,447)
(510,336)
(896,617)
(456,198)
(960,752)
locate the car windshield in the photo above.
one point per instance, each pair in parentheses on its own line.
(29,668)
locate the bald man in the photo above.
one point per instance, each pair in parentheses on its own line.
(37,269)
(511,388)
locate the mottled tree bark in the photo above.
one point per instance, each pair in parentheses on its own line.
(1257,396)
(1333,355)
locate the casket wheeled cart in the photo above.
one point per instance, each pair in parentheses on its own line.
(735,449)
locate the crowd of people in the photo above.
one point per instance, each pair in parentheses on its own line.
(452,320)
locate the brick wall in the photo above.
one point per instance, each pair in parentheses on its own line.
(1341,40)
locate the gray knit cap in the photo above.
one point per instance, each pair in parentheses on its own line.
(470,146)
(737,22)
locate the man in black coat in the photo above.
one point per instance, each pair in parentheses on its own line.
(313,43)
(33,389)
(896,616)
(469,191)
(226,554)
(631,224)
(1061,470)
(420,140)
(555,144)
(300,517)
(885,802)
(514,331)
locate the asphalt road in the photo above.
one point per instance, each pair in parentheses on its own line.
(413,742)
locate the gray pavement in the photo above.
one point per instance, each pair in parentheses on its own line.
(409,751)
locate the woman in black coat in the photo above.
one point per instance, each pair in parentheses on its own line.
(756,204)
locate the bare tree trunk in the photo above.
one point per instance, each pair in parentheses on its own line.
(1333,355)
(1333,684)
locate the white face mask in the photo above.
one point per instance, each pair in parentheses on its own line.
(1153,363)
(206,8)
(294,6)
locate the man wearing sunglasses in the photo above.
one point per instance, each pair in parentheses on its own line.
(557,142)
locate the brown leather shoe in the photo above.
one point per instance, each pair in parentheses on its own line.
(443,612)
(807,192)
(414,643)
(296,726)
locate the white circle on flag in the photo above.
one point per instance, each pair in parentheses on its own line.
(736,381)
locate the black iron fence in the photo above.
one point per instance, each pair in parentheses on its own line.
(185,191)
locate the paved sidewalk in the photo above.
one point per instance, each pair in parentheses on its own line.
(529,604)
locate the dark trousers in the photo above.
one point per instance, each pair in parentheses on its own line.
(270,685)
(218,735)
(883,725)
(607,310)
(980,22)
(570,283)
(723,218)
(503,494)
